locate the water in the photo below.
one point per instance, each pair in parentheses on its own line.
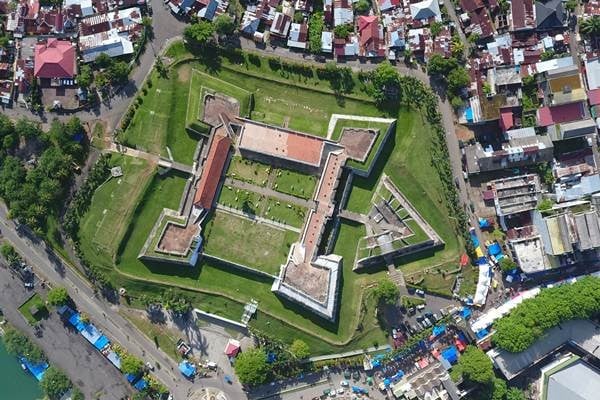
(16,384)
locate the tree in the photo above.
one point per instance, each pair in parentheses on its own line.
(251,367)
(362,6)
(4,40)
(118,72)
(499,389)
(457,47)
(439,65)
(386,83)
(474,366)
(343,31)
(315,30)
(507,265)
(9,253)
(300,349)
(55,383)
(200,34)
(545,205)
(457,79)
(515,394)
(435,28)
(473,37)
(224,24)
(76,394)
(590,26)
(387,291)
(35,95)
(18,344)
(103,60)
(131,364)
(86,76)
(58,296)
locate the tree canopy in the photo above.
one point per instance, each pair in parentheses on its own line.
(131,364)
(527,322)
(200,33)
(300,349)
(387,291)
(590,26)
(224,24)
(386,83)
(20,345)
(474,366)
(251,367)
(315,29)
(55,383)
(507,264)
(58,296)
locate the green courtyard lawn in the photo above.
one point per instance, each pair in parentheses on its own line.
(34,309)
(262,206)
(247,242)
(113,203)
(336,135)
(160,119)
(295,183)
(249,171)
(210,84)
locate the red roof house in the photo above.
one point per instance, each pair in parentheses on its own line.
(54,59)
(213,168)
(551,115)
(594,97)
(372,43)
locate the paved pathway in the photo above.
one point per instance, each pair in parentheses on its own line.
(352,216)
(269,193)
(153,158)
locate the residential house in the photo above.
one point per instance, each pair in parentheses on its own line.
(550,15)
(574,129)
(304,6)
(387,5)
(327,42)
(22,79)
(371,39)
(343,12)
(560,114)
(346,47)
(522,15)
(250,23)
(298,37)
(55,61)
(563,85)
(425,12)
(281,25)
(113,33)
(478,17)
(592,73)
(84,8)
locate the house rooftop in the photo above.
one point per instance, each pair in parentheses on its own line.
(592,71)
(212,171)
(550,115)
(55,59)
(550,14)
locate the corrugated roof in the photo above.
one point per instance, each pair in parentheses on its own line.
(211,174)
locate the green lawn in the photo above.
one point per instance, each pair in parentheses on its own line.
(295,183)
(249,171)
(34,302)
(210,84)
(162,337)
(246,242)
(161,118)
(113,203)
(349,123)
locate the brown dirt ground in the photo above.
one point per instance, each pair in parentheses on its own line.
(358,142)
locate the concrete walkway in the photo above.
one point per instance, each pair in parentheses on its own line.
(153,158)
(264,191)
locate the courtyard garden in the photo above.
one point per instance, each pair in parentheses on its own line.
(34,309)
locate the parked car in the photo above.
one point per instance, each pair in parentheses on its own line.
(28,285)
(421,307)
(420,292)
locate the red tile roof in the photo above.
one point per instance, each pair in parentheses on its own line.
(471,5)
(522,14)
(558,114)
(211,174)
(506,120)
(368,30)
(594,97)
(54,59)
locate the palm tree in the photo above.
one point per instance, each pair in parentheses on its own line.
(591,26)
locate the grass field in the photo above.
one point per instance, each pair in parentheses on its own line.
(246,242)
(34,302)
(249,171)
(113,203)
(210,84)
(295,183)
(161,118)
(349,123)
(162,337)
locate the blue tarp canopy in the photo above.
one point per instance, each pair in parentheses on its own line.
(423,345)
(387,382)
(376,363)
(90,333)
(484,223)
(114,359)
(495,249)
(398,375)
(450,354)
(101,343)
(482,333)
(36,369)
(141,385)
(466,312)
(482,261)
(438,330)
(130,378)
(474,238)
(462,337)
(469,114)
(187,369)
(271,357)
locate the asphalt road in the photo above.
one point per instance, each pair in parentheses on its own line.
(105,316)
(93,374)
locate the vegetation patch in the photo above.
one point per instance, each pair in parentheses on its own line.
(295,183)
(34,309)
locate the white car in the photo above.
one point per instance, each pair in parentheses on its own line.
(344,383)
(149,366)
(420,292)
(341,391)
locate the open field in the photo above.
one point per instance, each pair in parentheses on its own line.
(249,171)
(34,303)
(161,118)
(159,333)
(113,203)
(247,242)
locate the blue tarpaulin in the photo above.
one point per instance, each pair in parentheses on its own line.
(187,369)
(495,249)
(114,359)
(423,345)
(61,310)
(90,333)
(375,363)
(466,312)
(450,354)
(438,330)
(398,375)
(474,238)
(387,382)
(141,385)
(271,357)
(469,114)
(101,343)
(36,369)
(130,378)
(484,223)
(482,333)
